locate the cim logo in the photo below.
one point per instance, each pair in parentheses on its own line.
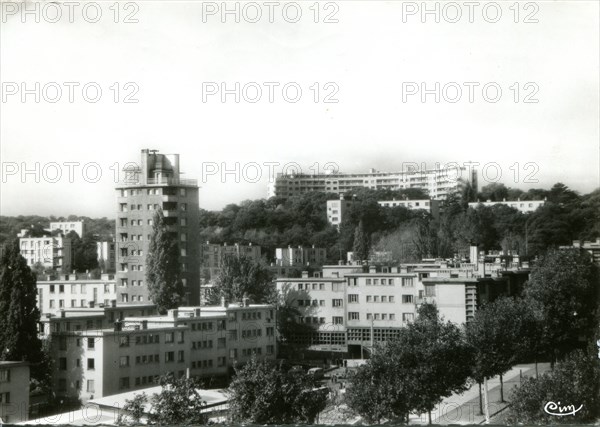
(552,408)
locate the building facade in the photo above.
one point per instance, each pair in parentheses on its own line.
(76,291)
(92,359)
(155,184)
(524,206)
(437,182)
(14,392)
(54,252)
(212,254)
(67,226)
(106,251)
(300,256)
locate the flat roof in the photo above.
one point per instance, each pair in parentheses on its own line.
(381,274)
(309,279)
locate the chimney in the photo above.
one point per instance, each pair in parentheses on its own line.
(305,274)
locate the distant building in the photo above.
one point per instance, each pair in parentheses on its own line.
(592,247)
(155,184)
(67,226)
(14,392)
(211,255)
(300,256)
(107,254)
(51,252)
(438,183)
(524,206)
(337,210)
(92,360)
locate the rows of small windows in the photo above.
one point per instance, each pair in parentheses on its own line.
(124,207)
(207,344)
(406,282)
(78,288)
(247,352)
(252,333)
(364,334)
(406,299)
(169,191)
(123,221)
(380,298)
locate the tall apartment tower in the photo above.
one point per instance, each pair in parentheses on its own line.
(155,183)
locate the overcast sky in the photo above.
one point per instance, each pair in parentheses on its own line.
(369,57)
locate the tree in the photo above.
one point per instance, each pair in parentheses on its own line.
(361,243)
(261,393)
(496,336)
(19,315)
(241,277)
(178,403)
(575,381)
(427,362)
(162,266)
(293,336)
(85,253)
(562,289)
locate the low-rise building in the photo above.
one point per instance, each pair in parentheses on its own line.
(14,392)
(211,256)
(65,227)
(52,252)
(524,206)
(300,256)
(76,291)
(204,342)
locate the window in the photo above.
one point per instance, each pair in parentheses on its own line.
(221,342)
(91,343)
(270,349)
(169,337)
(368,281)
(383,281)
(124,341)
(353,298)
(353,315)
(170,356)
(322,303)
(337,302)
(376,298)
(90,386)
(221,361)
(62,363)
(408,317)
(337,320)
(91,363)
(232,353)
(180,356)
(390,281)
(123,383)
(391,298)
(384,316)
(430,290)
(376,281)
(369,298)
(62,343)
(180,337)
(369,316)
(4,375)
(300,286)
(392,316)
(124,361)
(407,299)
(383,298)
(407,282)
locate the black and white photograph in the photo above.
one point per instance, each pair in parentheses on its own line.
(308,212)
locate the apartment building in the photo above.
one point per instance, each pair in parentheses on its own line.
(204,342)
(65,227)
(437,182)
(14,392)
(76,291)
(54,252)
(106,251)
(525,206)
(337,210)
(156,183)
(211,256)
(300,256)
(352,309)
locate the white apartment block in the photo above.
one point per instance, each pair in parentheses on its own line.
(93,359)
(76,291)
(300,256)
(524,206)
(337,210)
(51,252)
(437,182)
(67,226)
(14,392)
